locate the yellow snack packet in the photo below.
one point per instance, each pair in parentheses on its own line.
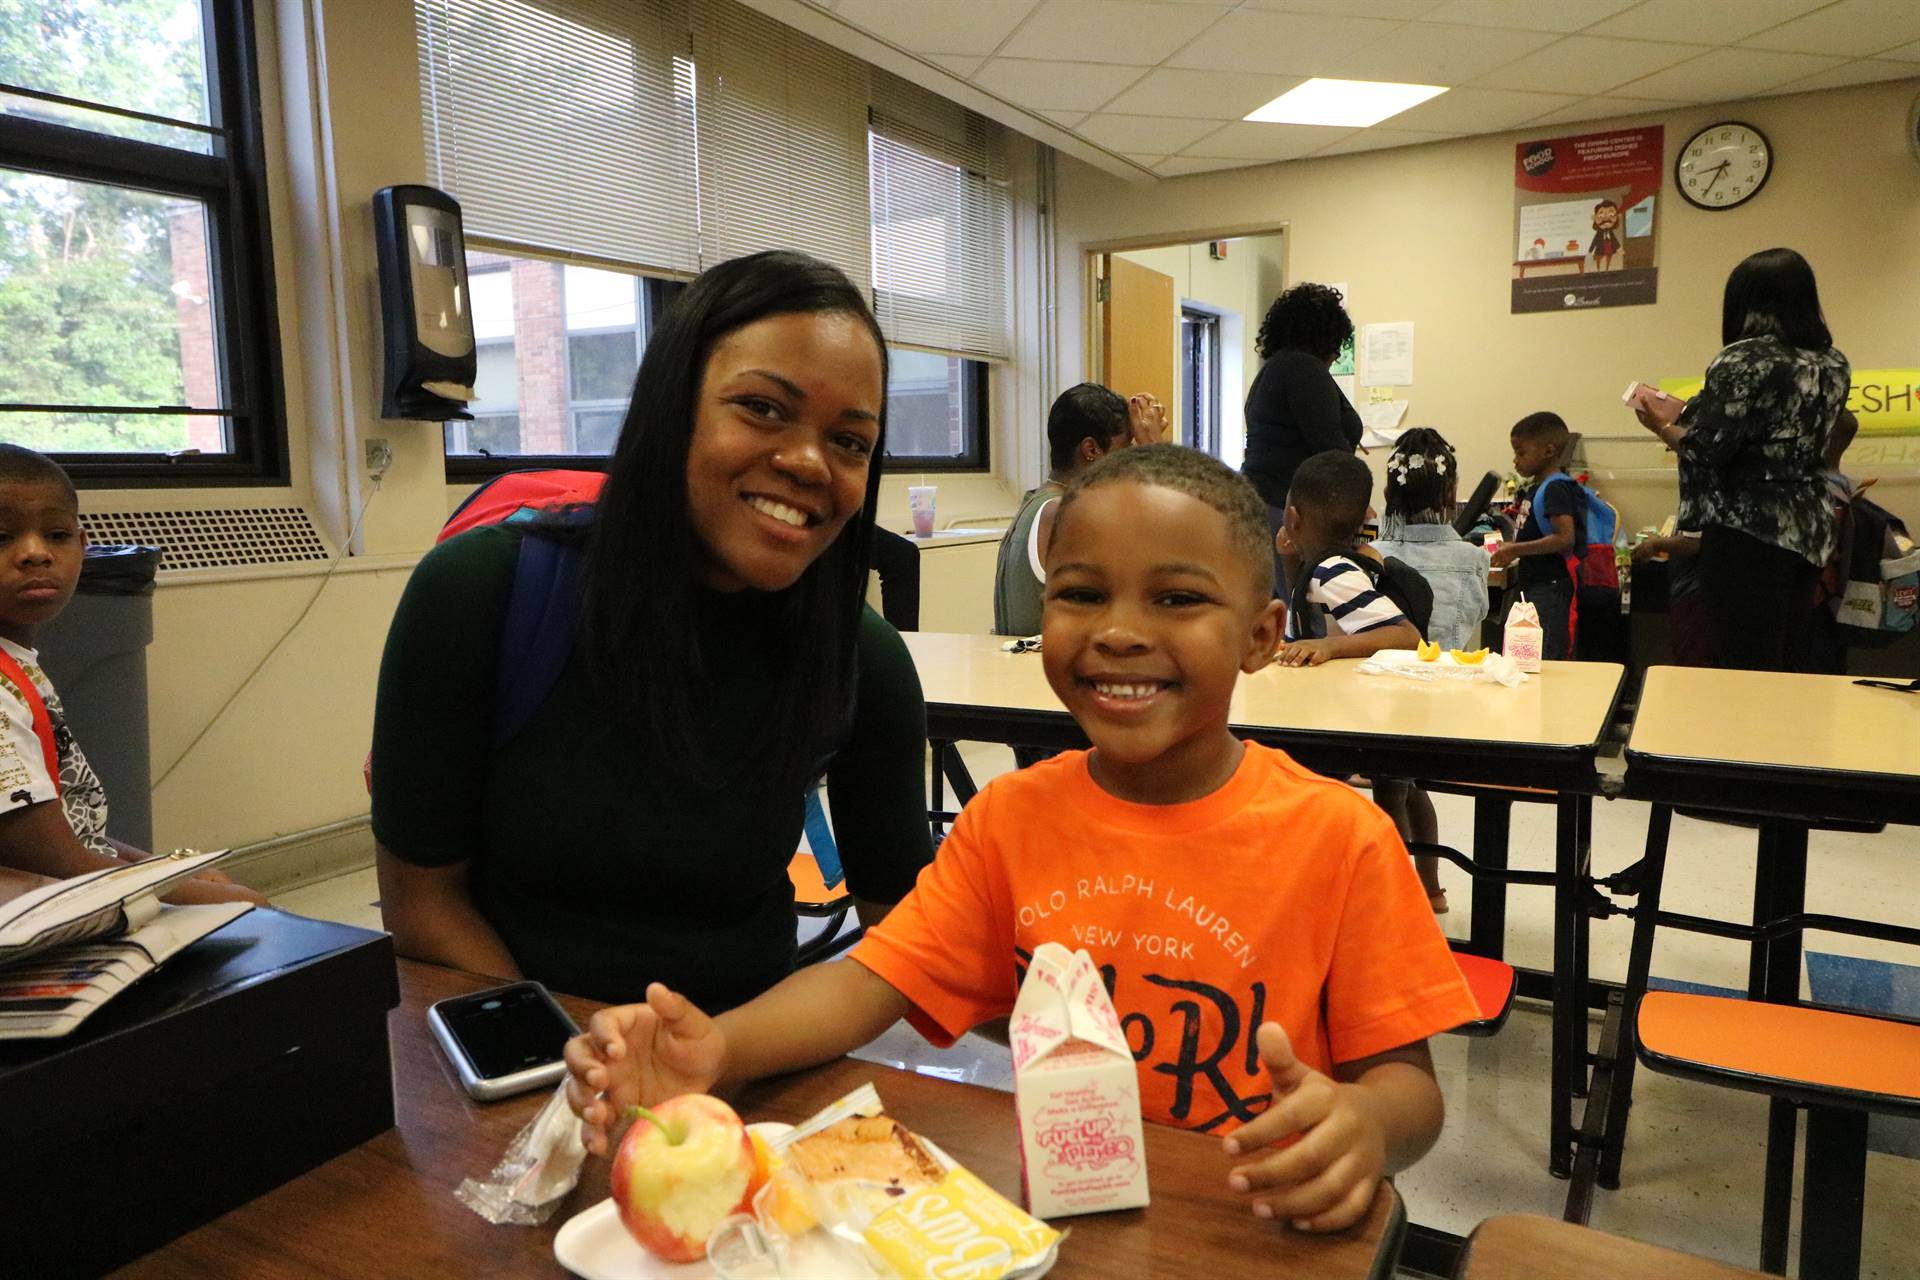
(957,1229)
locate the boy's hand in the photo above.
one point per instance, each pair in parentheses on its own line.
(1504,555)
(1325,1181)
(1304,653)
(211,886)
(640,1054)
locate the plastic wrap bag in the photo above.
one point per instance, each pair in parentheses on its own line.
(1493,669)
(540,1166)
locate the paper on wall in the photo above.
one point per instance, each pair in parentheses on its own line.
(1381,423)
(1387,353)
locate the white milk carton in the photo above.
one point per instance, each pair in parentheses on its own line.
(1075,1091)
(1524,640)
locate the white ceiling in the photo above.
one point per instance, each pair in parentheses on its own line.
(1161,86)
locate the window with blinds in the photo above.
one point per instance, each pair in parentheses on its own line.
(942,215)
(565,126)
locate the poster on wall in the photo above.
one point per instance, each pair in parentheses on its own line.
(1585,224)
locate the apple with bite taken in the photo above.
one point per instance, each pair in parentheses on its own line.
(684,1166)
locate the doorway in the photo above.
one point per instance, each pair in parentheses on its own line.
(1179,321)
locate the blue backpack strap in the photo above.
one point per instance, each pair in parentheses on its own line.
(826,854)
(538,633)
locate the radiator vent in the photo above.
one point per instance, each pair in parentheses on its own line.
(218,538)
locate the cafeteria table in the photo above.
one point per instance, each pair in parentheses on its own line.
(386,1208)
(1526,1247)
(1544,734)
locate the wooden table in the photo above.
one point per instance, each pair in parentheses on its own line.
(1524,1247)
(386,1208)
(1545,734)
(1794,751)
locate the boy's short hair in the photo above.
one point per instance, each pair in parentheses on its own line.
(1085,412)
(1188,471)
(1544,425)
(21,465)
(1332,489)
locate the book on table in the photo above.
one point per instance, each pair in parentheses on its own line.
(68,947)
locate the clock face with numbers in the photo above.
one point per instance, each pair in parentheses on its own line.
(1723,166)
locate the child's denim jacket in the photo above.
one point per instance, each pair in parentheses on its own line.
(1454,568)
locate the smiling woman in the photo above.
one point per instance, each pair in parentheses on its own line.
(638,828)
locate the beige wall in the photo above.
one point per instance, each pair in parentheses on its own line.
(1421,234)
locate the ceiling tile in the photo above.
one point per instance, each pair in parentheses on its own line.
(1701,21)
(1279,43)
(1859,71)
(1397,9)
(1140,133)
(1529,15)
(1144,161)
(1065,119)
(1723,74)
(1906,52)
(976,27)
(1177,166)
(1587,64)
(1202,95)
(1608,107)
(1380,140)
(1057,86)
(1480,110)
(1244,140)
(1853,28)
(962,65)
(1124,31)
(1431,53)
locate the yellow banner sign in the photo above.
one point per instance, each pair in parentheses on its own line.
(1887,401)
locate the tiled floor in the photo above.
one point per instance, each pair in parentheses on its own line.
(1695,1153)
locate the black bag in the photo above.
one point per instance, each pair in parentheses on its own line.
(1395,579)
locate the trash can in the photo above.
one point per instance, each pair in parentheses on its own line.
(95,653)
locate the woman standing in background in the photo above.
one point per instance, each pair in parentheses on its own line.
(1295,408)
(1752,477)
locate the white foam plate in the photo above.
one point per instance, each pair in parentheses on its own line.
(594,1245)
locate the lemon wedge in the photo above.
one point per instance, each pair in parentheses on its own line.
(1429,651)
(1466,659)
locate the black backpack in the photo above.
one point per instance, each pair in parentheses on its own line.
(1395,579)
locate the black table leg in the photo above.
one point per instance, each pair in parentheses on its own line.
(1569,998)
(940,747)
(1582,938)
(1492,824)
(1773,973)
(1639,970)
(1834,1194)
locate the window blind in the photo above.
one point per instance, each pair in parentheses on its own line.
(942,215)
(782,140)
(565,126)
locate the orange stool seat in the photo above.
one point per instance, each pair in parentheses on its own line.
(1492,983)
(810,893)
(1817,1057)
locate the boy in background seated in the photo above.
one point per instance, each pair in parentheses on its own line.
(1337,610)
(1270,951)
(1551,540)
(53,810)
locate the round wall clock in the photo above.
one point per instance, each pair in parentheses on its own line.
(1723,166)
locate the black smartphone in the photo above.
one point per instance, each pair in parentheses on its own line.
(504,1040)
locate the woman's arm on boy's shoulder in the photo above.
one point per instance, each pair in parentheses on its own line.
(430,913)
(1370,1119)
(640,1054)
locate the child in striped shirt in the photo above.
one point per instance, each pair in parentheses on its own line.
(1337,611)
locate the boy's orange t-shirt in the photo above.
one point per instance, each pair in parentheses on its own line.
(1283,896)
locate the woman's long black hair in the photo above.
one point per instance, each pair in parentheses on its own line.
(1773,292)
(644,560)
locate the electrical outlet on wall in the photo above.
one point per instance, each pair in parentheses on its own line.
(379,457)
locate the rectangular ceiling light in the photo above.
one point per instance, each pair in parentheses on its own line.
(1354,103)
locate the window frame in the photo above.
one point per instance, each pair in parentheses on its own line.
(232,188)
(974,405)
(656,295)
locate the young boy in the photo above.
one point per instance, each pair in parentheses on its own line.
(1270,952)
(53,810)
(1551,539)
(1338,612)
